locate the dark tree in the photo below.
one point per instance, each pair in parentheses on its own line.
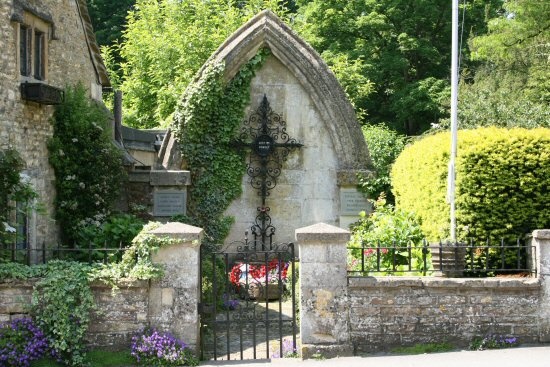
(109,19)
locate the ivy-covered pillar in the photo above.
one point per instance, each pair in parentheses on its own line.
(540,240)
(324,326)
(173,299)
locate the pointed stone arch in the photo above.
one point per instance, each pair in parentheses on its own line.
(267,30)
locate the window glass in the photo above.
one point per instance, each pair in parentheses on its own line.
(22,226)
(39,55)
(24,50)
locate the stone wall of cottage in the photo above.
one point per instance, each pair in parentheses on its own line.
(26,125)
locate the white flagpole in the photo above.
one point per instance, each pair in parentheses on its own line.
(454,119)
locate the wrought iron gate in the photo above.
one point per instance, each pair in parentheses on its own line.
(248,300)
(243,286)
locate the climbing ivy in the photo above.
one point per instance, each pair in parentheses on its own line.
(61,304)
(136,262)
(206,123)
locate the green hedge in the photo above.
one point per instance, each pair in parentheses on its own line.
(503,182)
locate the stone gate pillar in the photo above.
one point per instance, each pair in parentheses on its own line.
(541,241)
(173,300)
(324,325)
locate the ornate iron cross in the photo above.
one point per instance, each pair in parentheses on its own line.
(264,133)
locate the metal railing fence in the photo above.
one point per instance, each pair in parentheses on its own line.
(89,254)
(458,259)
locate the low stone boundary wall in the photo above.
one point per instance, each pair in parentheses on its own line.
(15,299)
(115,320)
(118,315)
(386,312)
(343,315)
(169,304)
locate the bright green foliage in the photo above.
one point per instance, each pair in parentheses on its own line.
(401,48)
(167,42)
(88,167)
(386,227)
(118,230)
(206,123)
(519,40)
(502,182)
(14,187)
(384,147)
(11,270)
(136,262)
(512,87)
(61,305)
(499,98)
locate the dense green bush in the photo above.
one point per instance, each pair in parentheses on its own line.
(378,233)
(384,147)
(502,182)
(88,167)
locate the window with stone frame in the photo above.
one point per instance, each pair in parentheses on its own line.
(33,47)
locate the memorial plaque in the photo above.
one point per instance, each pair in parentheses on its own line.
(352,202)
(169,202)
(264,145)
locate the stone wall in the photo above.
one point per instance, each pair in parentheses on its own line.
(389,312)
(169,304)
(117,317)
(369,314)
(25,125)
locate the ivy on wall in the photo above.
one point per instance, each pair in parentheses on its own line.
(62,298)
(206,123)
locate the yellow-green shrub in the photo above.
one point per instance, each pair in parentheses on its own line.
(502,183)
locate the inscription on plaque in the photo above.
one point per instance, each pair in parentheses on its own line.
(352,202)
(168,203)
(263,146)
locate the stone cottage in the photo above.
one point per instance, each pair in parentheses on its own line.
(45,46)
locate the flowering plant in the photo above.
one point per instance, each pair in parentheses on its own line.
(288,350)
(493,342)
(152,348)
(243,273)
(21,342)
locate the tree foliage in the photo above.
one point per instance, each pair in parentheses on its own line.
(167,42)
(109,19)
(498,98)
(384,147)
(512,86)
(401,48)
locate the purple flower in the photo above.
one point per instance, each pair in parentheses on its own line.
(153,348)
(21,342)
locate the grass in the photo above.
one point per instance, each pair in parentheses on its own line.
(424,348)
(97,358)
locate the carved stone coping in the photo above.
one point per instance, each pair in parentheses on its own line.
(181,231)
(322,233)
